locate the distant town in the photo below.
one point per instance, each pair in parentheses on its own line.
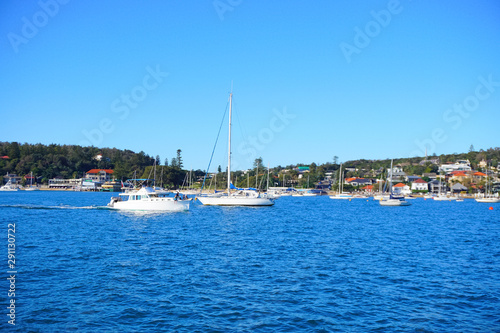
(468,173)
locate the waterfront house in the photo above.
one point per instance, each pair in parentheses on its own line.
(419,185)
(354,181)
(457,188)
(368,188)
(478,176)
(458,176)
(430,175)
(13,178)
(401,188)
(99,175)
(410,179)
(434,186)
(397,173)
(323,185)
(460,165)
(64,183)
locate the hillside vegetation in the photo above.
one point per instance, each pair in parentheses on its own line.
(71,161)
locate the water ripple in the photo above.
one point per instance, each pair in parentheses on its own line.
(305,264)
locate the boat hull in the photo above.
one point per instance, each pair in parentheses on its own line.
(444,198)
(153,204)
(488,200)
(340,197)
(394,202)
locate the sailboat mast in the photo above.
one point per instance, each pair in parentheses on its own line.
(390,179)
(267,187)
(229,146)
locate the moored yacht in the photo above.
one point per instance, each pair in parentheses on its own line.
(235,196)
(394,200)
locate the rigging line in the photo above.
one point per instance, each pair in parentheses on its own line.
(215,145)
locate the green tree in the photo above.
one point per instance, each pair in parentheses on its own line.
(179,159)
(14,151)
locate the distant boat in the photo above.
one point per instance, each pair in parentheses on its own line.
(488,197)
(441,196)
(9,187)
(146,199)
(312,193)
(237,197)
(112,186)
(341,195)
(488,200)
(31,187)
(394,200)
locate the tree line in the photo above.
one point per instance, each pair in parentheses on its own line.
(72,161)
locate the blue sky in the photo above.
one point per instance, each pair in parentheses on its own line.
(311,80)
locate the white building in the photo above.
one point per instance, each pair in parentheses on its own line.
(401,189)
(64,183)
(460,165)
(99,175)
(419,185)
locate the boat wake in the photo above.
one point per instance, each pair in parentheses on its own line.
(41,207)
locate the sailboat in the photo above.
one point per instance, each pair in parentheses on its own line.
(31,187)
(488,197)
(442,196)
(341,195)
(235,196)
(393,200)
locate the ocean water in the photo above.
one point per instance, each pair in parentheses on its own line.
(308,264)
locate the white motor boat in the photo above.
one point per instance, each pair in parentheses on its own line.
(146,199)
(341,196)
(444,198)
(394,201)
(9,187)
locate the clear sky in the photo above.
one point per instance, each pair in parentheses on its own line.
(311,80)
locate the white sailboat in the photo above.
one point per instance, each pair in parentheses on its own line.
(442,196)
(238,197)
(31,187)
(393,200)
(341,195)
(488,196)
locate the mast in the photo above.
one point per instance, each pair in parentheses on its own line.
(229,146)
(154,175)
(257,177)
(267,186)
(340,179)
(390,180)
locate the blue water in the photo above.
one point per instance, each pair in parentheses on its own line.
(308,264)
